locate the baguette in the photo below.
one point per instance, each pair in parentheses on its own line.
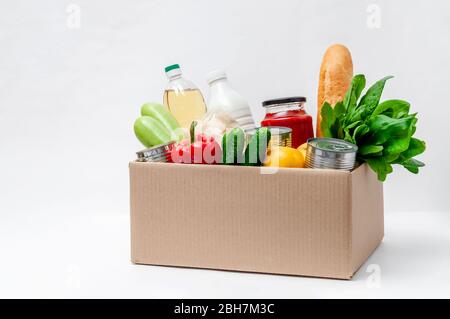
(336,74)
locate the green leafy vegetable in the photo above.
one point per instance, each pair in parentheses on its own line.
(382,131)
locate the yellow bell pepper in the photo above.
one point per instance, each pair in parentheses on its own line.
(280,156)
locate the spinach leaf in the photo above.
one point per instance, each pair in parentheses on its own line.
(339,110)
(380,166)
(412,165)
(360,132)
(398,144)
(348,131)
(415,148)
(370,149)
(384,128)
(354,91)
(372,97)
(328,119)
(392,108)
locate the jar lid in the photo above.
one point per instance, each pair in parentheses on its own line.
(284,100)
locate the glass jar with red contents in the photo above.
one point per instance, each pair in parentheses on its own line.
(290,112)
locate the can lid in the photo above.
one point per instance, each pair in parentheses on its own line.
(333,145)
(284,100)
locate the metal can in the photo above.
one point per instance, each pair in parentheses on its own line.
(279,135)
(159,153)
(330,153)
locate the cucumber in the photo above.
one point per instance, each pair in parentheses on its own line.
(256,150)
(162,115)
(151,132)
(233,144)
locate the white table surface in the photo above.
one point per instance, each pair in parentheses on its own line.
(61,255)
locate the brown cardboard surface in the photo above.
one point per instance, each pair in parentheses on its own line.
(297,221)
(367,215)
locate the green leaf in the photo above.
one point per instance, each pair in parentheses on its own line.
(372,97)
(336,129)
(354,91)
(348,131)
(357,115)
(384,128)
(328,119)
(369,149)
(348,136)
(359,83)
(360,132)
(415,148)
(381,167)
(392,108)
(397,144)
(350,101)
(412,165)
(339,110)
(354,124)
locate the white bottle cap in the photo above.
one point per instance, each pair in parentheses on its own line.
(215,75)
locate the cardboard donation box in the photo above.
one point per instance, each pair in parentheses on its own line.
(309,222)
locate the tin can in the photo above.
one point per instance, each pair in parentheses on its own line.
(330,153)
(279,135)
(159,153)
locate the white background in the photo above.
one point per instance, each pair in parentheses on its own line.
(69,96)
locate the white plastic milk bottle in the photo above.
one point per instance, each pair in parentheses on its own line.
(223,97)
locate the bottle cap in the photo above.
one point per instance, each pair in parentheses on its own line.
(215,75)
(172,67)
(172,70)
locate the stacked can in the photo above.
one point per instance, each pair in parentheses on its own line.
(330,153)
(159,153)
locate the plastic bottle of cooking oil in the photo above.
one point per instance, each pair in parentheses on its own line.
(183,99)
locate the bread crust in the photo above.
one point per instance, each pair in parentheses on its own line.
(336,74)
